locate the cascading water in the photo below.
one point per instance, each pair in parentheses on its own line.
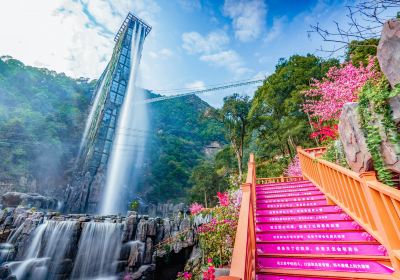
(95,104)
(98,250)
(129,141)
(48,247)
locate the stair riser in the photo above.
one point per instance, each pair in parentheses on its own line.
(300,211)
(261,200)
(296,194)
(303,218)
(291,205)
(325,249)
(360,236)
(283,277)
(306,189)
(322,226)
(324,264)
(283,187)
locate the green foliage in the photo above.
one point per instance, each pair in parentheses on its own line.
(360,51)
(134,206)
(217,237)
(41,122)
(273,168)
(206,182)
(373,97)
(234,117)
(334,153)
(276,113)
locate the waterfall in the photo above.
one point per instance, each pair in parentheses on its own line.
(95,104)
(48,247)
(129,140)
(98,250)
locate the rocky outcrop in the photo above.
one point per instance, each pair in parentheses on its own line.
(388,51)
(139,238)
(164,209)
(354,142)
(14,199)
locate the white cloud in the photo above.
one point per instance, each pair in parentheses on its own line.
(190,5)
(276,29)
(248,17)
(195,43)
(228,59)
(196,85)
(162,54)
(61,36)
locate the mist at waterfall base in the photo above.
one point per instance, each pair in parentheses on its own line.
(130,137)
(50,248)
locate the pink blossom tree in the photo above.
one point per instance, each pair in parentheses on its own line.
(325,100)
(294,168)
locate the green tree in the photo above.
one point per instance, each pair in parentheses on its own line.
(206,183)
(234,117)
(276,114)
(360,51)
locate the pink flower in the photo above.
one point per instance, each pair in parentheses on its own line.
(196,208)
(223,198)
(325,100)
(294,168)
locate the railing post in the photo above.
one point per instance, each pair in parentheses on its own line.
(386,230)
(324,184)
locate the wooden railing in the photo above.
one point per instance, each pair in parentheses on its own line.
(243,257)
(375,206)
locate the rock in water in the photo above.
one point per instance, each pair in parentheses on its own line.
(389,51)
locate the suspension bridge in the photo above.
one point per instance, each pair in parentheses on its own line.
(198,91)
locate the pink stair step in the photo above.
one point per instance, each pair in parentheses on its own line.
(360,266)
(284,277)
(322,249)
(303,218)
(282,187)
(294,194)
(290,199)
(291,204)
(265,191)
(357,236)
(300,211)
(314,226)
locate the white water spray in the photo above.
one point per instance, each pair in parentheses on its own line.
(129,141)
(95,104)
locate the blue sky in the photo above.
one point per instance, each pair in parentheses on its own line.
(193,42)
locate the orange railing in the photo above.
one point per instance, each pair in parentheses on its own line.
(243,257)
(375,206)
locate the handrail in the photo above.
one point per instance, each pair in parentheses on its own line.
(373,205)
(244,251)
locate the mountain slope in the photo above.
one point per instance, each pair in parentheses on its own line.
(42,117)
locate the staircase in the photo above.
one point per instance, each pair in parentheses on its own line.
(300,236)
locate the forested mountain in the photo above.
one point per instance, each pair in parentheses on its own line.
(42,117)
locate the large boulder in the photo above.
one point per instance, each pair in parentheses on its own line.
(14,199)
(353,140)
(354,143)
(389,51)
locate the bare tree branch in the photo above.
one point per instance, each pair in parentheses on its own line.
(366,19)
